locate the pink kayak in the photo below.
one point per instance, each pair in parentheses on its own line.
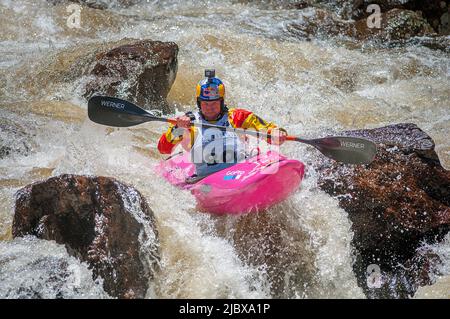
(253,185)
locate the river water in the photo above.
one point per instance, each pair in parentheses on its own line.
(308,87)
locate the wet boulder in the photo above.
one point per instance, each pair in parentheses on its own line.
(435,12)
(400,18)
(100,221)
(403,281)
(141,72)
(396,24)
(396,203)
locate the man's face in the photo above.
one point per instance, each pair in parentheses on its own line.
(210,109)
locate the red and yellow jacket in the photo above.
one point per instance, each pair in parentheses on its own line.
(238,118)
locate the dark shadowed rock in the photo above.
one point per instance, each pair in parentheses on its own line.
(435,14)
(397,202)
(434,11)
(141,72)
(404,280)
(401,23)
(396,24)
(100,221)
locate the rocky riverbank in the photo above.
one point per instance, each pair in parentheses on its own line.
(396,205)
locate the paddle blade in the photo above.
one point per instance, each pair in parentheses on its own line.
(349,150)
(116,112)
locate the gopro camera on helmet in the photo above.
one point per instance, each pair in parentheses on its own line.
(210,73)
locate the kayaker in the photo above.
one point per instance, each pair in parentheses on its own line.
(211,149)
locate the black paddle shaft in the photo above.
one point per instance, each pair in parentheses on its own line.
(116,112)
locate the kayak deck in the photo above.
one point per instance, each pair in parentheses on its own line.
(249,186)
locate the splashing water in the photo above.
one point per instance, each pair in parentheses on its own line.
(310,88)
(33,268)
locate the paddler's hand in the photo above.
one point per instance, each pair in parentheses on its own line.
(183,121)
(277,136)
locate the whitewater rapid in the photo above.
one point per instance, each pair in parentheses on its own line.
(309,87)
